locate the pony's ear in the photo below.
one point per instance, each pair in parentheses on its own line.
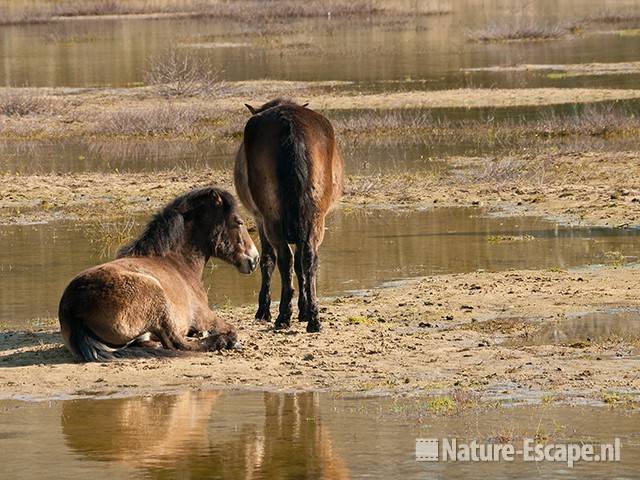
(250,108)
(217,199)
(303,106)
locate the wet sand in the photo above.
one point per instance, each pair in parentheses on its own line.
(432,334)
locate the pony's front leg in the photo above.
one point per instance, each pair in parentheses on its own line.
(267,264)
(220,335)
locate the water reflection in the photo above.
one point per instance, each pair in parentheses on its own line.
(361,250)
(193,435)
(257,435)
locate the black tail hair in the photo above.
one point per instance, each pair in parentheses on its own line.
(296,204)
(89,348)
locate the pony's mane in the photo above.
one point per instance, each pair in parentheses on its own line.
(165,232)
(276,102)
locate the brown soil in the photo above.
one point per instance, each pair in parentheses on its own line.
(436,333)
(592,188)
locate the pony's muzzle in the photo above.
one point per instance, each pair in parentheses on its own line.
(250,261)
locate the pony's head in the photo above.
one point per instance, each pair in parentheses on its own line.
(206,220)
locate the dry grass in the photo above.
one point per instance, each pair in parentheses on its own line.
(615,16)
(180,74)
(107,237)
(152,121)
(22,103)
(522,30)
(592,121)
(606,122)
(242,10)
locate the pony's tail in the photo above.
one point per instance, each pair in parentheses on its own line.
(87,347)
(293,172)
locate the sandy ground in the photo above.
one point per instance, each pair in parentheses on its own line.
(572,69)
(587,188)
(436,333)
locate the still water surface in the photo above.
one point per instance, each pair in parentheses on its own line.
(232,435)
(434,49)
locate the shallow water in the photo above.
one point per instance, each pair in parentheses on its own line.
(113,52)
(615,324)
(276,436)
(149,156)
(360,251)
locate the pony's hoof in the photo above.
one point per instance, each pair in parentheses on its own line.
(314,326)
(263,316)
(222,341)
(282,324)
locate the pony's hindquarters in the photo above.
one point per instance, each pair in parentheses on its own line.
(102,311)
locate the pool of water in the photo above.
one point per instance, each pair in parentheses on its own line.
(220,435)
(587,328)
(361,250)
(114,51)
(149,156)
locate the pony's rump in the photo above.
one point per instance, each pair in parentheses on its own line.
(292,168)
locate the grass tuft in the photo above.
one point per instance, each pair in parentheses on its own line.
(521,31)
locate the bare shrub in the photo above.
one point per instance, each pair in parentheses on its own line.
(182,74)
(19,104)
(521,30)
(151,120)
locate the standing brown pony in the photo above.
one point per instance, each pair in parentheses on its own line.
(288,174)
(154,289)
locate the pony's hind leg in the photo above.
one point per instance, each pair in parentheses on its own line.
(285,265)
(267,264)
(310,272)
(302,295)
(309,251)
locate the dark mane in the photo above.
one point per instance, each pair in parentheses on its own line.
(276,102)
(165,232)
